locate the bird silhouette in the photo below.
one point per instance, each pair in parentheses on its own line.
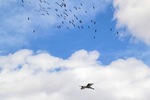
(88,86)
(93,7)
(33,31)
(95,30)
(80,21)
(110,29)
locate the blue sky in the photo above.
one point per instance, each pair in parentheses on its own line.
(77,55)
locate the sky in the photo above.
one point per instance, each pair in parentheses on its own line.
(48,48)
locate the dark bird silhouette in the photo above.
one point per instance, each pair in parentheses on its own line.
(88,26)
(69,21)
(110,29)
(80,21)
(88,86)
(22,1)
(40,1)
(28,18)
(58,15)
(44,1)
(65,9)
(93,7)
(75,8)
(58,4)
(47,13)
(65,13)
(78,27)
(64,4)
(94,23)
(33,31)
(22,5)
(73,24)
(56,9)
(70,10)
(85,11)
(81,4)
(74,15)
(95,30)
(59,27)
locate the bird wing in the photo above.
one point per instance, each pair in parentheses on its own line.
(89,84)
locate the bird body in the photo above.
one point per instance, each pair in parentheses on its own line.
(88,86)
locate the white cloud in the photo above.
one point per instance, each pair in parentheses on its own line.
(134,15)
(26,75)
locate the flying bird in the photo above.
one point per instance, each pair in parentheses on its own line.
(56,9)
(40,1)
(64,4)
(95,30)
(78,27)
(93,7)
(33,31)
(80,21)
(68,28)
(75,8)
(22,5)
(88,86)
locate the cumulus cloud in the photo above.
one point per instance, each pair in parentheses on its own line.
(134,15)
(28,75)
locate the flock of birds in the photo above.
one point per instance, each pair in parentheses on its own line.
(67,17)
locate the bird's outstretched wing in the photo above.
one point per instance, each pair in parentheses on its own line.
(89,84)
